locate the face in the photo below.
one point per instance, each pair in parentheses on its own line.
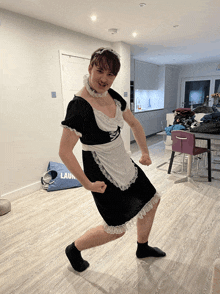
(100,79)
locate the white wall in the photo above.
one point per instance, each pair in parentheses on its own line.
(30,118)
(122,84)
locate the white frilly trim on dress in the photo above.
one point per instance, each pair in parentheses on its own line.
(110,178)
(123,228)
(73,130)
(114,162)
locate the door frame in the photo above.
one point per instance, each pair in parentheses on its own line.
(70,54)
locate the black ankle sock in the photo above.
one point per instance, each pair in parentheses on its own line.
(75,258)
(144,250)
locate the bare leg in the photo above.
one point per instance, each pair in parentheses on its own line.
(95,237)
(143,231)
(144,225)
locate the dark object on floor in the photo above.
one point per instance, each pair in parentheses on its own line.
(5,206)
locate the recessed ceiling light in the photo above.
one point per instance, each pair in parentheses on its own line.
(93,17)
(134,34)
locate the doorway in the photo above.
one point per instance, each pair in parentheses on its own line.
(73,68)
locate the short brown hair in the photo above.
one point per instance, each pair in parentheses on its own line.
(107,59)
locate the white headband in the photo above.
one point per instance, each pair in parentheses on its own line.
(108,49)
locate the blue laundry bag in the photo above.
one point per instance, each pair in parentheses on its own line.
(58,177)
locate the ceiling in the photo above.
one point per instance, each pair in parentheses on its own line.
(168,32)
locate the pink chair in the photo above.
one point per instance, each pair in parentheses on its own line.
(184,142)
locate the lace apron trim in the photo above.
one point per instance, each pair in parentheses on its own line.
(114,163)
(123,228)
(110,178)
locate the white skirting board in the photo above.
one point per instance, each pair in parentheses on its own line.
(22,191)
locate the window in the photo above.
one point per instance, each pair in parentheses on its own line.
(195,92)
(217,86)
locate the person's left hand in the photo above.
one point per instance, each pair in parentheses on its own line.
(145,159)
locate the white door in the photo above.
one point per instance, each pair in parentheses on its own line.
(73,68)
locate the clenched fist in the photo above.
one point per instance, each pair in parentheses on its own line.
(145,159)
(98,187)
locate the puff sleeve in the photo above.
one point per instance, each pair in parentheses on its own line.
(118,97)
(74,119)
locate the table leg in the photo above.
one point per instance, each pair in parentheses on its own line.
(209,160)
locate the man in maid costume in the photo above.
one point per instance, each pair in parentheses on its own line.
(121,190)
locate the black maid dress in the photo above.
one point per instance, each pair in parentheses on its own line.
(129,193)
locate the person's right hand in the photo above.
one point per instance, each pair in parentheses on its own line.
(98,187)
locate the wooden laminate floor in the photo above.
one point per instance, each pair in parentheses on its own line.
(35,233)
